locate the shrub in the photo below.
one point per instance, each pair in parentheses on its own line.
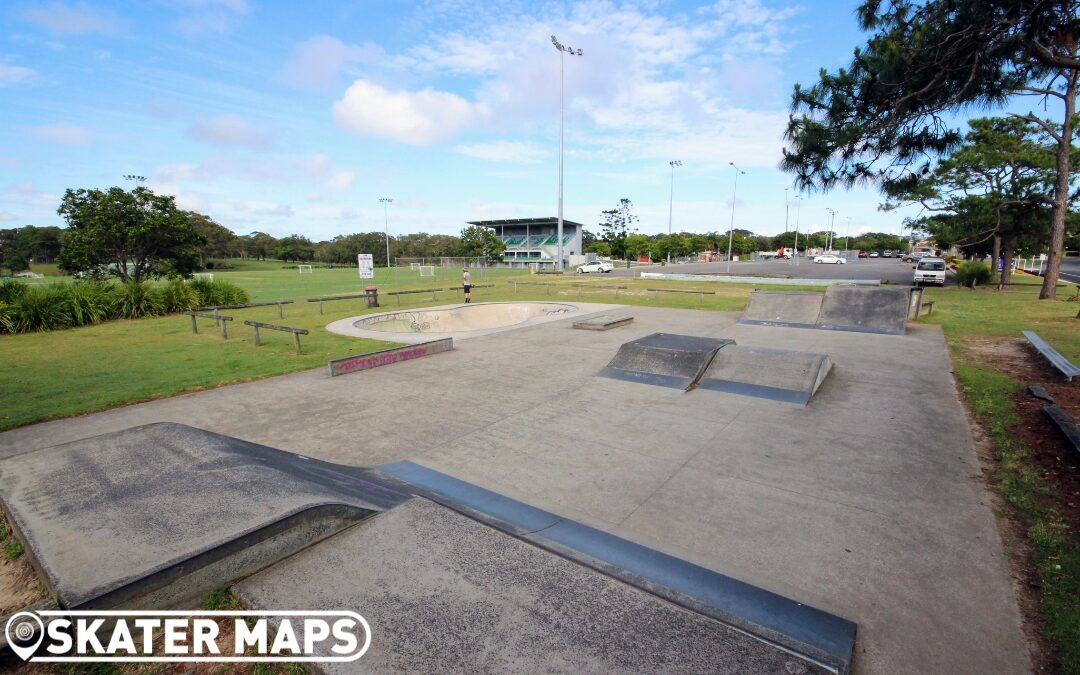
(218,292)
(41,308)
(135,300)
(10,290)
(7,313)
(178,296)
(90,302)
(972,273)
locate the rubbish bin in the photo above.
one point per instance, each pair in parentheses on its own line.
(372,295)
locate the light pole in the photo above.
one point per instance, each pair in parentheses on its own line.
(798,217)
(848,234)
(386,201)
(671,205)
(731,227)
(138,180)
(563,49)
(828,235)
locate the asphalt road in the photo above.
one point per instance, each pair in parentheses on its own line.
(1070,270)
(886,269)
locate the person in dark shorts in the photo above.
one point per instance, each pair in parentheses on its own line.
(466,285)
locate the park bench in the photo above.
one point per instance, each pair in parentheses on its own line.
(218,318)
(296,332)
(265,303)
(328,298)
(398,294)
(1066,367)
(701,294)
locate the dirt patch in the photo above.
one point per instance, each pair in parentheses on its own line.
(19,585)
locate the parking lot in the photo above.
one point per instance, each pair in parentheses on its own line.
(892,270)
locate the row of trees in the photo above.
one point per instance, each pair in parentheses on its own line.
(618,238)
(136,235)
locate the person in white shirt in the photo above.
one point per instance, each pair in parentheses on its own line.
(466,285)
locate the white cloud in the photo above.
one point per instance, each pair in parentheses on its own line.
(229,129)
(341,180)
(7,217)
(202,17)
(317,62)
(414,117)
(77,19)
(13,74)
(68,134)
(506,151)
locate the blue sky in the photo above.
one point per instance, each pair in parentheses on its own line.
(290,117)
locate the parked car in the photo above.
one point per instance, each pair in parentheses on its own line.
(595,266)
(930,270)
(864,254)
(873,254)
(915,257)
(829,259)
(888,254)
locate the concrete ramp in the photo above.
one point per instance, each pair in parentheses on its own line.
(663,359)
(159,514)
(861,309)
(776,374)
(783,308)
(865,310)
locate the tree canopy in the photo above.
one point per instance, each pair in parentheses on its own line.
(618,223)
(884,118)
(131,235)
(480,241)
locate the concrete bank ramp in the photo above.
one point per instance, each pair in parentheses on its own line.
(162,513)
(663,359)
(463,579)
(783,308)
(865,310)
(860,309)
(776,374)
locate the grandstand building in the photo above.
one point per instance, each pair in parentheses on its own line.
(536,240)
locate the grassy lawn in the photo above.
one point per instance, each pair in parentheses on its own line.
(972,318)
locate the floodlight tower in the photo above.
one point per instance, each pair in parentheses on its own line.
(671,204)
(563,49)
(386,201)
(731,227)
(134,178)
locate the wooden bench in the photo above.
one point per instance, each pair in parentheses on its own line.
(296,332)
(1066,367)
(265,303)
(218,318)
(701,294)
(398,294)
(328,298)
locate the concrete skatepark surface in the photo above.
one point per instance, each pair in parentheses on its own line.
(866,503)
(777,374)
(459,321)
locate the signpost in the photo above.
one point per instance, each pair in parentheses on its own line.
(366,265)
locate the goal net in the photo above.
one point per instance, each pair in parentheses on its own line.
(427,270)
(303,269)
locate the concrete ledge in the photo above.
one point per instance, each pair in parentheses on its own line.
(825,638)
(603,322)
(351,364)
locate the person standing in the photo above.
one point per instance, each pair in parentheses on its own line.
(466,285)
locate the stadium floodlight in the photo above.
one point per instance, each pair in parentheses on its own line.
(563,49)
(134,178)
(731,227)
(828,236)
(798,218)
(386,225)
(671,204)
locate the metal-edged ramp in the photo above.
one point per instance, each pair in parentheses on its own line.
(775,374)
(663,359)
(158,514)
(793,309)
(865,310)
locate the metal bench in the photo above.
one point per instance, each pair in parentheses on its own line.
(1067,368)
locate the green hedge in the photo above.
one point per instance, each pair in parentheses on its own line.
(66,305)
(972,273)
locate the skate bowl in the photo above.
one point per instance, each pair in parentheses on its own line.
(845,308)
(458,321)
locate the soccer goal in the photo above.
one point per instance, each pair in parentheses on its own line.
(303,269)
(427,270)
(415,266)
(209,276)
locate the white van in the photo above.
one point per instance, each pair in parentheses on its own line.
(930,271)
